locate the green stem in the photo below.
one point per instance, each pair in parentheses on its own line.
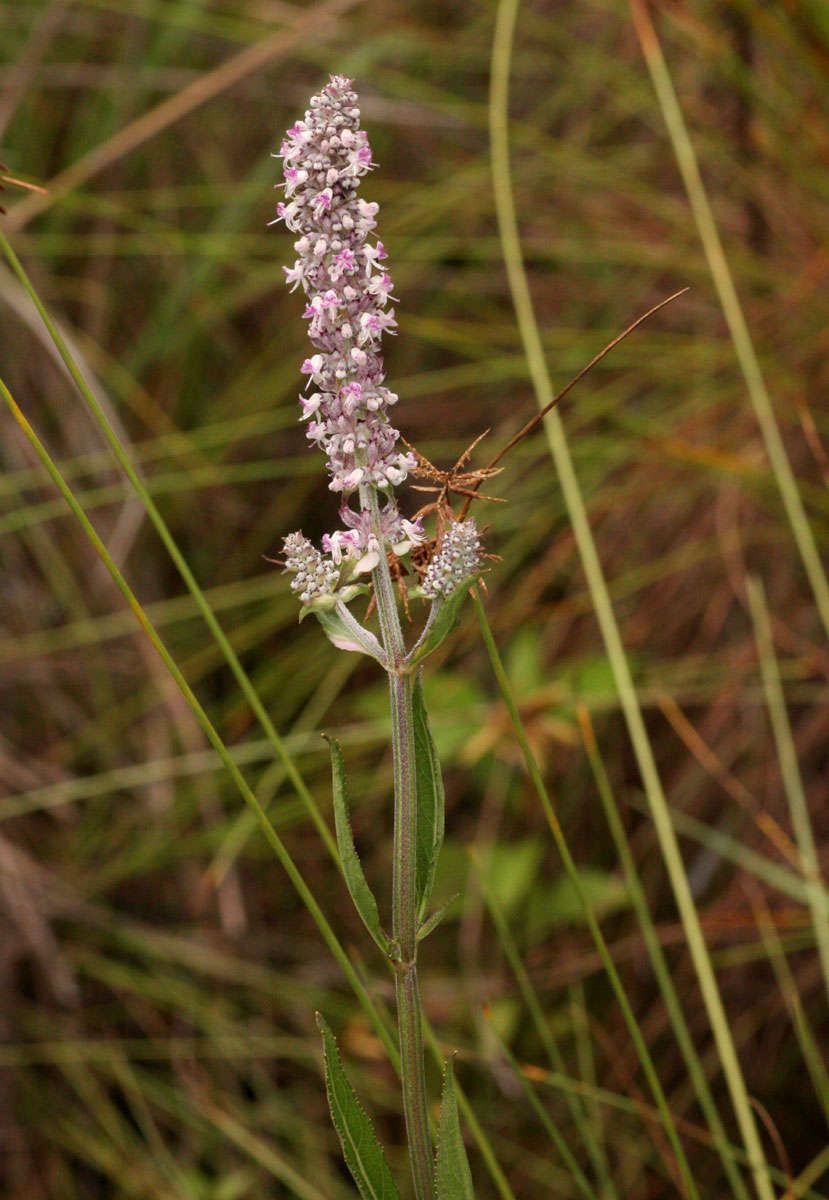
(404,894)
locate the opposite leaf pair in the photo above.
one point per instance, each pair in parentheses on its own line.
(363,1152)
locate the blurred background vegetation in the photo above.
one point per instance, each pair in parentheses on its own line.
(158,973)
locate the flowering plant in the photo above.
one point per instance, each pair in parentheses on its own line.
(339,266)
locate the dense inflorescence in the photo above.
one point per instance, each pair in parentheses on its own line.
(339,267)
(459,557)
(313,576)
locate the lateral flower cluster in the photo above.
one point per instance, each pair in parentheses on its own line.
(459,557)
(339,267)
(313,576)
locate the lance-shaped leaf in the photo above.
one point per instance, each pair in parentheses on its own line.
(453,1179)
(429,784)
(356,882)
(431,923)
(344,631)
(363,1153)
(442,620)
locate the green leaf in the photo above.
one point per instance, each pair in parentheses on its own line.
(561,903)
(512,871)
(363,1153)
(431,923)
(429,783)
(358,888)
(343,637)
(453,1179)
(444,621)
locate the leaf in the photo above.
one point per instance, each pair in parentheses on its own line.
(429,783)
(512,871)
(363,1153)
(453,1179)
(561,903)
(524,660)
(444,621)
(431,923)
(358,888)
(344,638)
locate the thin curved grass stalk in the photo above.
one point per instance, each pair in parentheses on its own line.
(213,736)
(657,957)
(183,567)
(732,309)
(557,440)
(581,1181)
(790,771)
(808,1041)
(548,1041)
(642,1051)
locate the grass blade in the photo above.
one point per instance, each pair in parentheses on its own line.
(554,429)
(790,771)
(543,1030)
(657,957)
(732,309)
(204,721)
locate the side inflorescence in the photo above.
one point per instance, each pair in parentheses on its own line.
(459,556)
(314,577)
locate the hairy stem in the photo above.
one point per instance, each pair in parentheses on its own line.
(404,896)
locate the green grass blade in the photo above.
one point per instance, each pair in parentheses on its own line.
(579,1178)
(554,429)
(204,721)
(658,961)
(642,1051)
(544,1031)
(809,1044)
(732,309)
(790,771)
(124,461)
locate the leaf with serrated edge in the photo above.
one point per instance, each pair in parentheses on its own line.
(453,1179)
(356,882)
(444,622)
(363,1153)
(429,782)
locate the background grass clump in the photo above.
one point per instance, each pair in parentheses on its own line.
(158,974)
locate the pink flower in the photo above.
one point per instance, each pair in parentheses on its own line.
(326,155)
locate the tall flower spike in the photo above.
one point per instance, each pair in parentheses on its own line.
(325,156)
